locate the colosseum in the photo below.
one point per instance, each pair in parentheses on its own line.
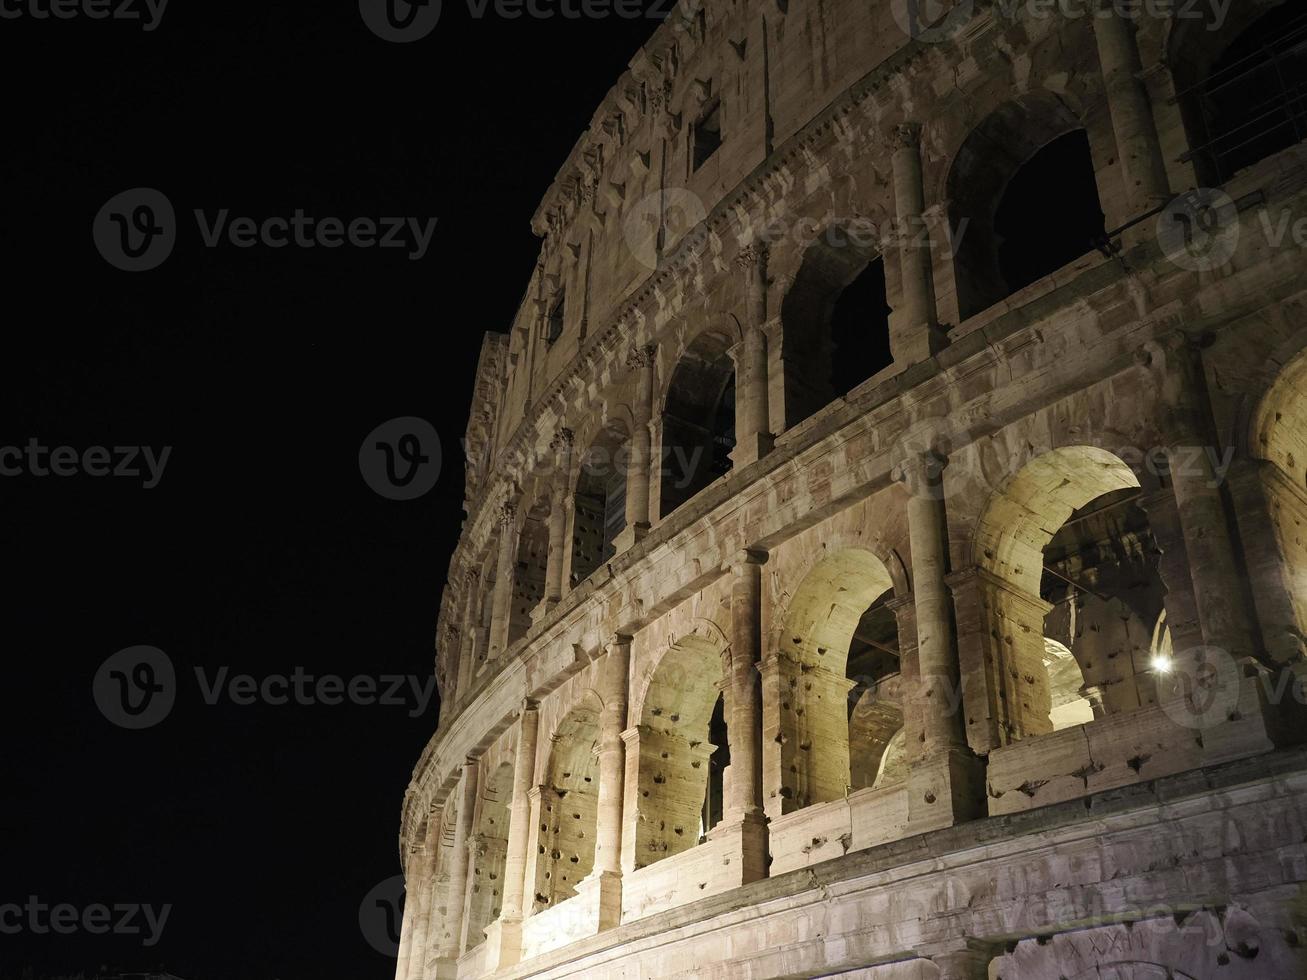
(886,538)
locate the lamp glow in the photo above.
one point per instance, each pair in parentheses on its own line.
(1161,663)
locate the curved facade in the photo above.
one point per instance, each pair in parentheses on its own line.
(883,561)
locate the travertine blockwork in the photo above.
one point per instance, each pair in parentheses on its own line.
(858,579)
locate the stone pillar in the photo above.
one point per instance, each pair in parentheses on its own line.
(501,612)
(744,726)
(904,608)
(467,640)
(423,898)
(918,334)
(413,886)
(946,783)
(612,763)
(1137,144)
(965,960)
(451,945)
(558,508)
(604,885)
(753,439)
(504,937)
(1175,370)
(641,361)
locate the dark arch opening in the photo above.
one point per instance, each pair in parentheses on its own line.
(836,321)
(599,510)
(1050,214)
(698,424)
(1023,199)
(1252,101)
(860,330)
(713,801)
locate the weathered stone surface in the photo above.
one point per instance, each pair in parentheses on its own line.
(989,664)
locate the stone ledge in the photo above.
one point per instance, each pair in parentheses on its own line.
(1274,775)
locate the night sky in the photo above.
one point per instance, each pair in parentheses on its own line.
(260,549)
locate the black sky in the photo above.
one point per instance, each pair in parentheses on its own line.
(261,549)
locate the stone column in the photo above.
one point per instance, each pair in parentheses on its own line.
(558,508)
(467,640)
(604,885)
(1175,370)
(641,361)
(504,937)
(1137,144)
(501,612)
(451,945)
(917,335)
(753,439)
(423,899)
(946,783)
(412,890)
(743,821)
(966,960)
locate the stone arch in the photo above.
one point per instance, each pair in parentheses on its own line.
(671,748)
(875,720)
(1225,71)
(697,419)
(1067,562)
(569,804)
(489,853)
(808,720)
(599,496)
(834,318)
(1277,436)
(997,253)
(529,567)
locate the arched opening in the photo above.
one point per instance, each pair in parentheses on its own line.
(489,853)
(838,647)
(600,501)
(569,806)
(1024,199)
(1075,592)
(1279,567)
(676,800)
(529,569)
(698,422)
(483,605)
(835,319)
(1242,83)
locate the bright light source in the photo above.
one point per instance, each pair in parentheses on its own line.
(1161,663)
